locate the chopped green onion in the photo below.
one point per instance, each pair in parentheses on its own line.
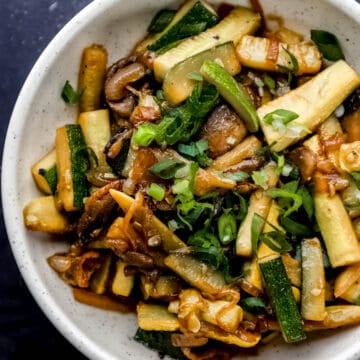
(167,168)
(260,178)
(236,176)
(253,305)
(227,228)
(161,20)
(308,202)
(283,193)
(281,115)
(194,76)
(294,65)
(257,224)
(269,82)
(69,94)
(145,134)
(276,241)
(156,191)
(196,150)
(293,227)
(328,44)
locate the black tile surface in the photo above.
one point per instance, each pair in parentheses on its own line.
(26,27)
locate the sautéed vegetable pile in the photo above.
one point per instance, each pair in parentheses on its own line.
(210,183)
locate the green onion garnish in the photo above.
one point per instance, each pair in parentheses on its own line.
(156,191)
(282,115)
(328,44)
(167,168)
(145,134)
(69,94)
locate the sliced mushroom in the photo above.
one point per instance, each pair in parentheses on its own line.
(223,131)
(121,74)
(98,212)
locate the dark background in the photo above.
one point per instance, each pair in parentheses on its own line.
(26,27)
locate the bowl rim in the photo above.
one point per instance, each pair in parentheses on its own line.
(8,170)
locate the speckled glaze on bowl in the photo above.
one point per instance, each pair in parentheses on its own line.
(118,24)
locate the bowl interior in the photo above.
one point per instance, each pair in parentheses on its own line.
(39,110)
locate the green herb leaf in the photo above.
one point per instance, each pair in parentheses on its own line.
(328,44)
(161,20)
(167,168)
(281,115)
(253,305)
(69,94)
(156,191)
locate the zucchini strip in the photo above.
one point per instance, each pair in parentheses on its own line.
(156,317)
(41,214)
(253,52)
(281,296)
(260,204)
(336,229)
(122,284)
(336,316)
(95,126)
(72,164)
(313,101)
(346,279)
(196,273)
(239,22)
(313,281)
(178,85)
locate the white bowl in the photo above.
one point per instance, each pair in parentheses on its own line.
(118,24)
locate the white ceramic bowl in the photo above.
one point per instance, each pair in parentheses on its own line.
(117,24)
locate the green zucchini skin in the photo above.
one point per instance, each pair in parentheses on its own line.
(196,20)
(79,163)
(278,287)
(51,177)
